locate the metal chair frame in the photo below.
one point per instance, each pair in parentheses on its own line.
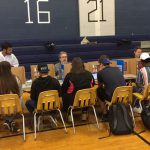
(48,101)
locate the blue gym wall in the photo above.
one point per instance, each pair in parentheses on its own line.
(132,25)
(131,19)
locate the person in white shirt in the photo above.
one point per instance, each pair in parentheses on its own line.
(7,55)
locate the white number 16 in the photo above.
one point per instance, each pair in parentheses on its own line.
(38,12)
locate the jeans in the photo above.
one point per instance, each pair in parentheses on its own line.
(135,100)
(31,105)
(101,93)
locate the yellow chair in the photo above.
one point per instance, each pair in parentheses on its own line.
(48,101)
(67,68)
(10,105)
(123,94)
(25,98)
(84,98)
(20,73)
(145,95)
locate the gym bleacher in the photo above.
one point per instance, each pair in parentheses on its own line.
(31,52)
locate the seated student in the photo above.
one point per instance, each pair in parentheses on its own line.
(59,67)
(109,78)
(43,83)
(7,55)
(77,79)
(143,78)
(137,54)
(9,84)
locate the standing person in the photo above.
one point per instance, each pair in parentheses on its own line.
(43,83)
(143,78)
(9,84)
(109,78)
(7,55)
(78,78)
(59,67)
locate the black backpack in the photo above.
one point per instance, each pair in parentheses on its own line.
(120,120)
(145,115)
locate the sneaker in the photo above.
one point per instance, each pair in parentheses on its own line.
(137,110)
(84,116)
(14,128)
(7,124)
(11,126)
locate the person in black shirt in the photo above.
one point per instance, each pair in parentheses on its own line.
(77,79)
(43,83)
(109,78)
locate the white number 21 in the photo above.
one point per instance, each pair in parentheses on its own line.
(38,13)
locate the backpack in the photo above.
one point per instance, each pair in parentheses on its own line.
(145,115)
(120,120)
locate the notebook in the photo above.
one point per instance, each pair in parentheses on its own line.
(94,76)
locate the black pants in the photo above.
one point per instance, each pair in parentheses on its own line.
(68,100)
(135,100)
(102,95)
(31,105)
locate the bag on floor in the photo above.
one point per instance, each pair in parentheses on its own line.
(145,115)
(120,120)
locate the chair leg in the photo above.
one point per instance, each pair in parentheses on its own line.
(35,126)
(72,120)
(68,113)
(62,120)
(95,116)
(23,124)
(140,105)
(132,114)
(53,120)
(39,122)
